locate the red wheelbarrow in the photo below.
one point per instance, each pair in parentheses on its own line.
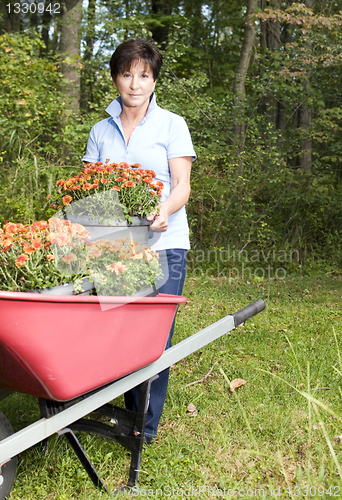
(76,356)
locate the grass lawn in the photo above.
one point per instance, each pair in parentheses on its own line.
(279,435)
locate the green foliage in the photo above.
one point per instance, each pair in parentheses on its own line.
(30,104)
(248,193)
(326,134)
(36,128)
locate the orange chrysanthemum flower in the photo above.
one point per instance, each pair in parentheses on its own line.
(10,228)
(7,242)
(28,249)
(128,184)
(39,226)
(116,268)
(95,252)
(66,200)
(69,258)
(20,261)
(37,244)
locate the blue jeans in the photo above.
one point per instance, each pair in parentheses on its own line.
(176,262)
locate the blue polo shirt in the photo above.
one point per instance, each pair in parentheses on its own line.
(160,136)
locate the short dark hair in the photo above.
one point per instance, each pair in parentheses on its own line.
(135,50)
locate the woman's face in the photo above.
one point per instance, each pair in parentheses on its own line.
(136,85)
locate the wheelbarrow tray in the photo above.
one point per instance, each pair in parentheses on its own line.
(60,347)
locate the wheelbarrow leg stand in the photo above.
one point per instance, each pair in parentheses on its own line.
(128,429)
(139,432)
(83,458)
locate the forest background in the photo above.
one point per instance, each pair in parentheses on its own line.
(258,82)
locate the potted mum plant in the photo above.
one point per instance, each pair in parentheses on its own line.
(109,194)
(123,267)
(56,256)
(43,255)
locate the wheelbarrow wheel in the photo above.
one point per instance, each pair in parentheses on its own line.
(9,469)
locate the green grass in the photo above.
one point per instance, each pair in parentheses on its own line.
(276,432)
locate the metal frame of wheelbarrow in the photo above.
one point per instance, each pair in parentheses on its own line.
(127,427)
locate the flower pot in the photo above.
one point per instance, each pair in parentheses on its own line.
(147,292)
(98,228)
(67,289)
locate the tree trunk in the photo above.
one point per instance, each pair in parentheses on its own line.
(46,23)
(304,123)
(88,72)
(70,24)
(304,120)
(9,18)
(269,42)
(161,8)
(241,72)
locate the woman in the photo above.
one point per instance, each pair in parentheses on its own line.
(139,131)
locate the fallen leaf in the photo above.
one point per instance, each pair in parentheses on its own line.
(191,408)
(237,382)
(338,439)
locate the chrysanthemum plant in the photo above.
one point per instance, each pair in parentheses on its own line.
(42,255)
(136,191)
(56,252)
(122,267)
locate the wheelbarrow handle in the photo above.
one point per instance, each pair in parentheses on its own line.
(248,312)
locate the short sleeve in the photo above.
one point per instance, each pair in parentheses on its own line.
(180,143)
(92,153)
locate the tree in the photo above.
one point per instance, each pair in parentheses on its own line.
(161,10)
(69,48)
(269,44)
(9,17)
(87,80)
(305,117)
(241,71)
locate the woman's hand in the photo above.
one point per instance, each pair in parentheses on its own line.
(161,220)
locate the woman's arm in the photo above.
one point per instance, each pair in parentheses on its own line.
(180,169)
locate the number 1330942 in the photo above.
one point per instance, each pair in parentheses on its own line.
(32,8)
(312,491)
